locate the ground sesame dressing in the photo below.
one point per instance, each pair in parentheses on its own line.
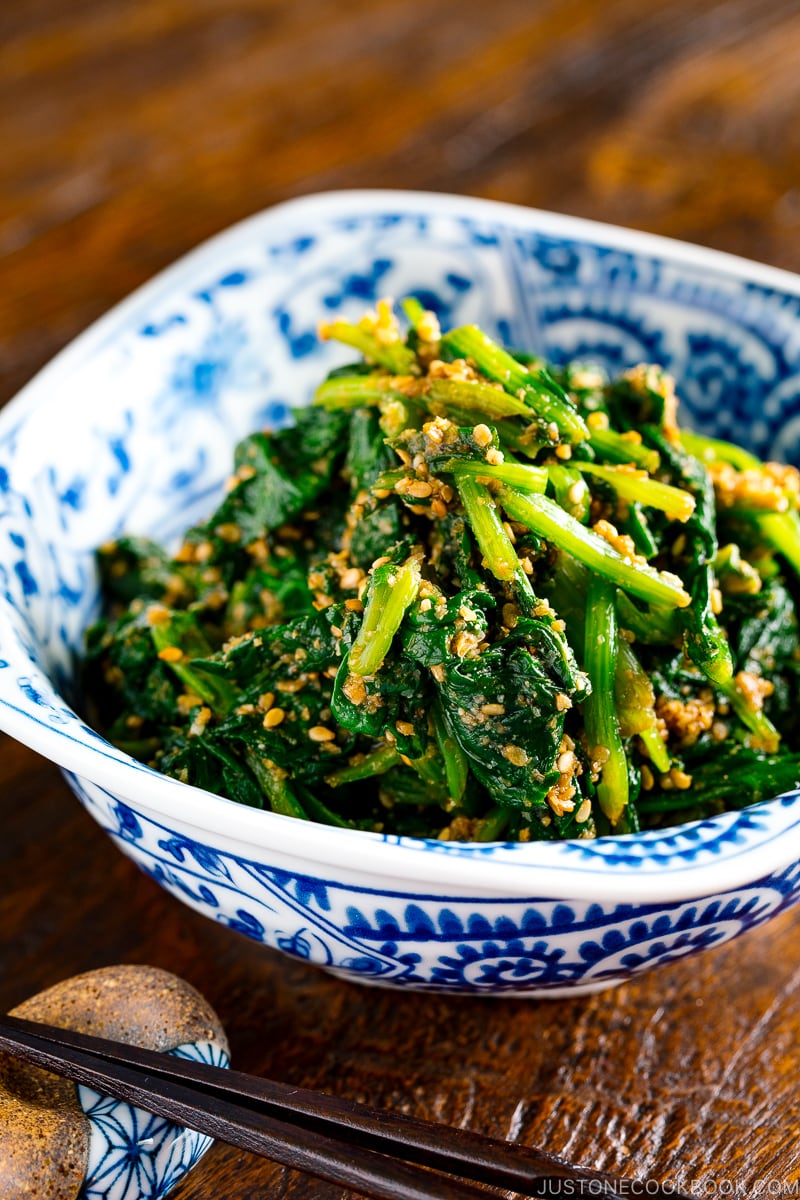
(470,596)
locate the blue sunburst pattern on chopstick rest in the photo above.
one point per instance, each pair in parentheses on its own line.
(134,1154)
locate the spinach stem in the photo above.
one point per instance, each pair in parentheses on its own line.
(392,591)
(456,765)
(709,449)
(376,763)
(520,475)
(603,736)
(493,825)
(396,356)
(675,503)
(544,397)
(782,532)
(548,519)
(356,391)
(635,700)
(490,533)
(659,755)
(218,693)
(272,781)
(477,397)
(414,310)
(617,448)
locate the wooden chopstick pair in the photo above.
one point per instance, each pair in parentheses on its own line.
(379,1154)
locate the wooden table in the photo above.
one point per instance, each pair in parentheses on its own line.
(132,129)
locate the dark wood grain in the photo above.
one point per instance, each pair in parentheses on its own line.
(132,129)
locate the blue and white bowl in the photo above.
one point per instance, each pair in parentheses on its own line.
(132,428)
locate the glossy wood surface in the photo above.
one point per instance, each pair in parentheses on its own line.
(131,130)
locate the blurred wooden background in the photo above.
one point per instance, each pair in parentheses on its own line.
(132,129)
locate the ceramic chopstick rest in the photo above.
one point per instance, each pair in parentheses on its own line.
(63,1141)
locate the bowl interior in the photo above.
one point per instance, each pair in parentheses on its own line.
(132,428)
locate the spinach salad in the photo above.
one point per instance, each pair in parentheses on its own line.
(471,596)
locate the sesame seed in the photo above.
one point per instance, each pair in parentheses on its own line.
(171,654)
(320,733)
(229,531)
(428,327)
(482,435)
(433,433)
(419,489)
(515,755)
(274,717)
(291,685)
(584,812)
(465,643)
(198,725)
(157,615)
(351,578)
(510,615)
(355,689)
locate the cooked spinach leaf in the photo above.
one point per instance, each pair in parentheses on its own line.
(468,596)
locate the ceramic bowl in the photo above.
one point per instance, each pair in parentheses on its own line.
(132,427)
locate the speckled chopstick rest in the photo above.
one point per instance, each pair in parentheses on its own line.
(63,1141)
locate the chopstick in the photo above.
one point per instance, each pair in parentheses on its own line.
(384,1155)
